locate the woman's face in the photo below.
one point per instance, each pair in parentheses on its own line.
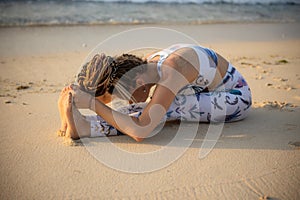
(140,94)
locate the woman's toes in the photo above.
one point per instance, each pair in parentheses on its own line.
(64,90)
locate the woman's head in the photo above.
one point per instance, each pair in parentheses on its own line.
(104,74)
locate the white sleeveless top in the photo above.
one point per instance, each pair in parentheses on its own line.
(207,58)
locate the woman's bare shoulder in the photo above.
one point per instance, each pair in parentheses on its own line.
(185,61)
(149,54)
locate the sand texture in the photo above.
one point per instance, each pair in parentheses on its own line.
(257,158)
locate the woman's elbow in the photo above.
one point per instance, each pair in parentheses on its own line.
(139,133)
(139,136)
(137,139)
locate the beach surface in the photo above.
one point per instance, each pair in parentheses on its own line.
(257,158)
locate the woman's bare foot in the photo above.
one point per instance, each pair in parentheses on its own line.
(71,130)
(61,108)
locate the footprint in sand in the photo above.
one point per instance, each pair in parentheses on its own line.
(267,63)
(22,87)
(281,62)
(275,105)
(246,63)
(277,62)
(256,66)
(251,65)
(258,77)
(265,71)
(280,79)
(285,87)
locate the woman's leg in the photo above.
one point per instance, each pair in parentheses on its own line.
(206,107)
(230,104)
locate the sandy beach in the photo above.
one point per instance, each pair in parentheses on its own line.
(257,158)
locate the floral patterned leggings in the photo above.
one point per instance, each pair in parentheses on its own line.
(229,102)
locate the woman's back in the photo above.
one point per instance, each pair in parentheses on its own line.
(210,67)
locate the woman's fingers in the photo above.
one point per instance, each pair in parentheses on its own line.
(80,98)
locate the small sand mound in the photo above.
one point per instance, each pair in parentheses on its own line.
(70,142)
(275,105)
(265,197)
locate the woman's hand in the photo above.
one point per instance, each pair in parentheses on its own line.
(81,99)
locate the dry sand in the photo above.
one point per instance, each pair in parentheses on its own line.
(255,158)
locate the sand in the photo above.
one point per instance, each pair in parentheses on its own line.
(257,158)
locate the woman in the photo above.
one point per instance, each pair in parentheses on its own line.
(193,83)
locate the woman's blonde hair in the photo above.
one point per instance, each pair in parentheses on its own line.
(106,74)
